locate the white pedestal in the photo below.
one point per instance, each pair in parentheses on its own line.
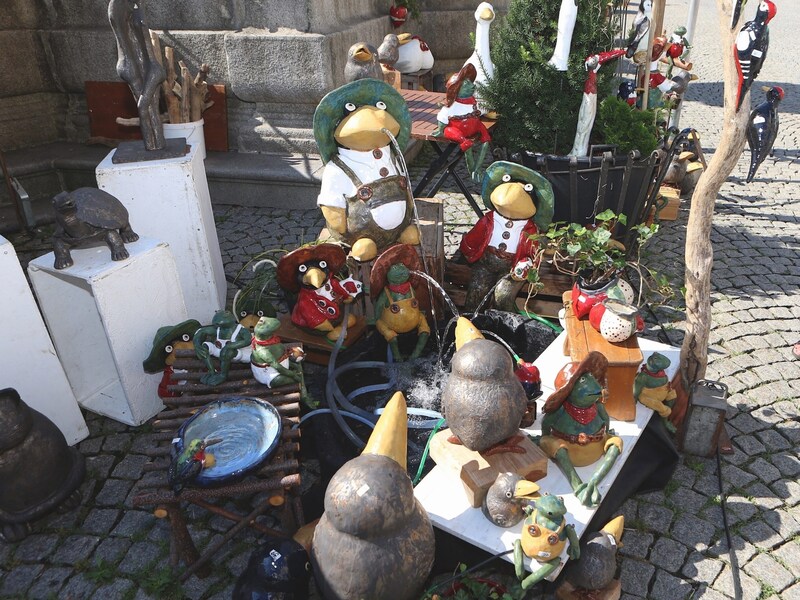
(451,511)
(169,200)
(28,359)
(103,315)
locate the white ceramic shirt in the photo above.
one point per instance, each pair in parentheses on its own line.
(336,186)
(458,109)
(515,231)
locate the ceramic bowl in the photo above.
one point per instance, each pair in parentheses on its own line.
(250,429)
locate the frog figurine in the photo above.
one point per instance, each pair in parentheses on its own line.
(652,387)
(270,359)
(225,339)
(545,532)
(575,427)
(398,307)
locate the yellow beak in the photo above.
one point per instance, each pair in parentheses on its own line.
(685,154)
(486,14)
(466,332)
(526,489)
(404,38)
(362,54)
(512,201)
(615,527)
(389,438)
(694,166)
(362,129)
(315,277)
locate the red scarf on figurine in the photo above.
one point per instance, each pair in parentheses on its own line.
(584,416)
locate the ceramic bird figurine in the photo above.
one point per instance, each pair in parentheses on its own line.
(576,427)
(365,196)
(598,563)
(374,540)
(506,497)
(483,400)
(588,110)
(186,466)
(677,168)
(413,55)
(362,62)
(750,48)
(520,203)
(738,5)
(641,27)
(567,15)
(310,272)
(389,51)
(762,129)
(481,57)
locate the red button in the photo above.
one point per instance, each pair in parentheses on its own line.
(377,153)
(384,171)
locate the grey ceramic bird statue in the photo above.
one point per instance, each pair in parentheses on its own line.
(506,498)
(362,63)
(389,50)
(677,168)
(598,563)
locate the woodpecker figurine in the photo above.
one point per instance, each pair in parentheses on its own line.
(738,5)
(186,466)
(762,129)
(750,48)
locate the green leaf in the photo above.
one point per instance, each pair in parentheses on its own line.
(573,249)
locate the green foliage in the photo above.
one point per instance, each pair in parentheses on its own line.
(538,106)
(102,572)
(161,583)
(627,128)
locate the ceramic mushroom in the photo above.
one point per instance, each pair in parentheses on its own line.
(365,195)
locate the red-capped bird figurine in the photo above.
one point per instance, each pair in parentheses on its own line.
(762,129)
(750,47)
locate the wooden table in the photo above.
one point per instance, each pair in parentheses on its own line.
(424,106)
(449,508)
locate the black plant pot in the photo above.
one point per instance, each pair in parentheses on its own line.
(586,186)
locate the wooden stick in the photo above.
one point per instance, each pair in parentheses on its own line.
(199,92)
(186,92)
(173,103)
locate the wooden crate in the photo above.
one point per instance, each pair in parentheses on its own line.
(623,361)
(672,197)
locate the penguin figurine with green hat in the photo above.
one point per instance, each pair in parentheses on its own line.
(168,339)
(365,195)
(520,203)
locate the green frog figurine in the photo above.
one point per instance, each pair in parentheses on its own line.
(652,388)
(225,339)
(545,532)
(575,428)
(270,360)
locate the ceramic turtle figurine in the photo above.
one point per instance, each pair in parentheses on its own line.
(89,215)
(269,358)
(652,387)
(576,428)
(545,532)
(398,309)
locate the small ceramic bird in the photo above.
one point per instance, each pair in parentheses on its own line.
(750,48)
(362,63)
(389,51)
(506,498)
(413,55)
(641,26)
(186,466)
(677,169)
(762,129)
(738,5)
(598,563)
(481,58)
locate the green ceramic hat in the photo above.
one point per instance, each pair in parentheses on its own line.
(543,191)
(361,92)
(155,361)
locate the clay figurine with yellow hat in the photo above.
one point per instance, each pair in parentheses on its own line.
(374,540)
(310,272)
(576,427)
(365,195)
(520,203)
(401,297)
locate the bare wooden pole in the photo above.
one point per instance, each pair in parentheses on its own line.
(699,252)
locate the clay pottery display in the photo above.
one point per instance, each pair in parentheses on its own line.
(374,540)
(585,296)
(616,321)
(39,473)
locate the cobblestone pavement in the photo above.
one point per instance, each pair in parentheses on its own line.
(674,543)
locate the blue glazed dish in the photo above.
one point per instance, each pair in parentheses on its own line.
(250,430)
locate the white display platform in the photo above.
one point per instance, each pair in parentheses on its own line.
(103,315)
(169,200)
(441,491)
(28,360)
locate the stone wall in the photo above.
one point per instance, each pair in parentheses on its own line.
(276,57)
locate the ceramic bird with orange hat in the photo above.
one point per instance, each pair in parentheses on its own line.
(398,309)
(361,130)
(576,427)
(374,541)
(310,272)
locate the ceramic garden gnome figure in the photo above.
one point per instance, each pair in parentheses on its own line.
(520,203)
(575,427)
(374,540)
(401,295)
(310,271)
(365,195)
